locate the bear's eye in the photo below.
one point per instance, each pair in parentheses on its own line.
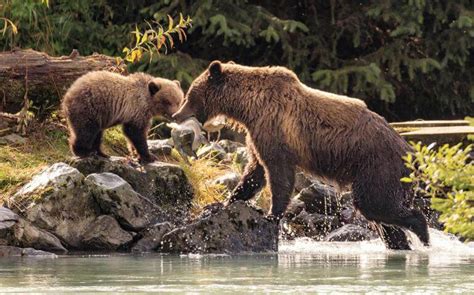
(166,102)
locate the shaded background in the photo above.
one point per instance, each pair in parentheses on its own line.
(406,59)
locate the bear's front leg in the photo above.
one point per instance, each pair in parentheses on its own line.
(281,177)
(137,134)
(252,181)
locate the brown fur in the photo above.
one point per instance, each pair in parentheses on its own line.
(99,100)
(329,135)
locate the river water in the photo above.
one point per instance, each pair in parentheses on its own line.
(300,266)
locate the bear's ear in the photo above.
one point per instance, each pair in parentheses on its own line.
(215,68)
(177,83)
(153,87)
(231,62)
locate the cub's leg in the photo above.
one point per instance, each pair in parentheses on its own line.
(97,145)
(137,135)
(252,181)
(82,138)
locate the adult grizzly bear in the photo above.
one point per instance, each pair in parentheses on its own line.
(331,136)
(100,99)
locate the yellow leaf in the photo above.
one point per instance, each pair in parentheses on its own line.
(170,23)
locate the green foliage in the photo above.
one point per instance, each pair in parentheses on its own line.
(445,175)
(406,59)
(152,40)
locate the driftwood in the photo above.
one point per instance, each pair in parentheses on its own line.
(43,79)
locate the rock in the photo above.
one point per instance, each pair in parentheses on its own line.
(152,237)
(312,225)
(230,146)
(9,251)
(57,200)
(167,186)
(212,151)
(24,234)
(164,184)
(13,139)
(228,180)
(160,147)
(236,228)
(8,218)
(350,233)
(320,198)
(105,233)
(116,197)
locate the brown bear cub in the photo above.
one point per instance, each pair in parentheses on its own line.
(335,137)
(99,100)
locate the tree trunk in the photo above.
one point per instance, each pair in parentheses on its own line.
(44,79)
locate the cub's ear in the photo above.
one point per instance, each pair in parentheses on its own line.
(153,87)
(231,62)
(177,83)
(215,68)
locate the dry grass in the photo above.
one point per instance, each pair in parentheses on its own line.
(46,144)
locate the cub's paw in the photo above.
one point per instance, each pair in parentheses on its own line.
(147,159)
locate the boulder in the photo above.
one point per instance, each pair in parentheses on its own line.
(312,225)
(160,147)
(236,228)
(350,233)
(151,237)
(22,233)
(212,151)
(9,251)
(105,234)
(162,183)
(320,198)
(228,180)
(57,200)
(116,197)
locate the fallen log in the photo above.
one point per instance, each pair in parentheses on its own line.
(44,79)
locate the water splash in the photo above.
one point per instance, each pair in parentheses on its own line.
(441,242)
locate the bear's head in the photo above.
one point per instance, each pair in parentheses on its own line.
(203,95)
(165,96)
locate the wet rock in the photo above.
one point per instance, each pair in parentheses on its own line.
(57,200)
(312,225)
(320,198)
(104,234)
(9,251)
(302,181)
(8,218)
(116,197)
(350,233)
(236,228)
(228,180)
(230,146)
(212,151)
(24,234)
(160,147)
(164,184)
(152,237)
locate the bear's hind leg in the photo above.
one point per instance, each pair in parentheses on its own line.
(393,236)
(97,145)
(82,144)
(415,221)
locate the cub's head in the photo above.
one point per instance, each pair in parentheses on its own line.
(166,96)
(202,98)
